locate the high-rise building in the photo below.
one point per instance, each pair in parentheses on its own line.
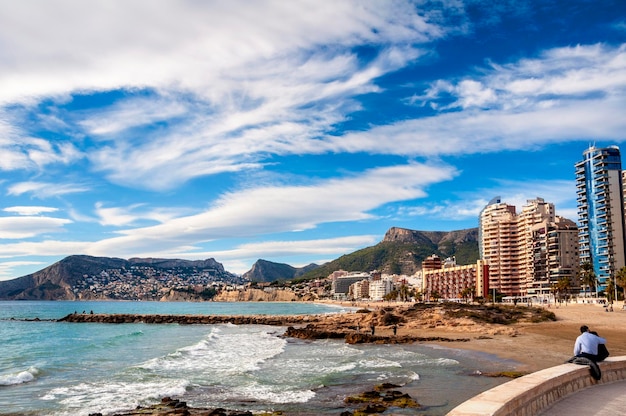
(600,201)
(506,243)
(536,211)
(555,257)
(498,246)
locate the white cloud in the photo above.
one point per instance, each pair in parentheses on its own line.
(125,216)
(8,268)
(45,190)
(44,248)
(30,210)
(269,249)
(561,193)
(131,113)
(471,132)
(258,211)
(283,209)
(27,227)
(567,73)
(230,82)
(183,44)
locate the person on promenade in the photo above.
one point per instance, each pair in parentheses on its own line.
(586,345)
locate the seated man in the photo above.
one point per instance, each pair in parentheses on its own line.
(586,345)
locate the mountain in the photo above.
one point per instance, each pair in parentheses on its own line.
(87,277)
(402,251)
(267,271)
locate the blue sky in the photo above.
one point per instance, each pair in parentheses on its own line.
(292,131)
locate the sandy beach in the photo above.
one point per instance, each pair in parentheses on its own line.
(534,345)
(546,344)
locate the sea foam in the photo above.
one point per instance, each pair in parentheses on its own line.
(20,377)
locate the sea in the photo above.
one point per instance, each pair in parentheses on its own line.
(59,368)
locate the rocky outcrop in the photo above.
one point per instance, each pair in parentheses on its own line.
(404,235)
(267,271)
(381,399)
(169,406)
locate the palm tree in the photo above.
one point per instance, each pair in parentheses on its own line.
(404,293)
(563,285)
(467,293)
(587,276)
(610,291)
(620,277)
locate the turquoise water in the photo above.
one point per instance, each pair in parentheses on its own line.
(58,368)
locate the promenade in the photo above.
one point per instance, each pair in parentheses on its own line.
(601,400)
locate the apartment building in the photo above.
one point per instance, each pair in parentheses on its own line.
(600,202)
(450,281)
(508,242)
(555,256)
(340,285)
(378,289)
(498,245)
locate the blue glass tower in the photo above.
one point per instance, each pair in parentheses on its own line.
(599,196)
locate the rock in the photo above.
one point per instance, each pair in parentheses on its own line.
(370,409)
(310,332)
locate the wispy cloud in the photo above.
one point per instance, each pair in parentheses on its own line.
(565,94)
(559,192)
(30,210)
(44,189)
(131,215)
(7,268)
(231,83)
(27,227)
(251,212)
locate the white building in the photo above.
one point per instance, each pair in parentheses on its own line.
(380,288)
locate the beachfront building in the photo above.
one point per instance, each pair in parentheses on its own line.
(506,242)
(498,246)
(600,201)
(340,286)
(555,257)
(380,288)
(359,290)
(453,282)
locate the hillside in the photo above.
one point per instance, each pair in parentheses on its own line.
(267,271)
(402,251)
(87,277)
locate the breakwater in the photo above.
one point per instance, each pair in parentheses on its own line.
(127,318)
(306,326)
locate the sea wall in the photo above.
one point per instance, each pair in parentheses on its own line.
(529,395)
(126,318)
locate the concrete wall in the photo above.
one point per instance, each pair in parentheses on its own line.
(529,395)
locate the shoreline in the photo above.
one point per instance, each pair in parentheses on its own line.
(523,347)
(522,342)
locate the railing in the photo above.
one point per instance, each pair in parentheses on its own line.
(529,395)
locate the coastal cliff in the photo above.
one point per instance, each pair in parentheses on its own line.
(256,295)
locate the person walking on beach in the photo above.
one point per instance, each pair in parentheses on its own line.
(586,345)
(373,328)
